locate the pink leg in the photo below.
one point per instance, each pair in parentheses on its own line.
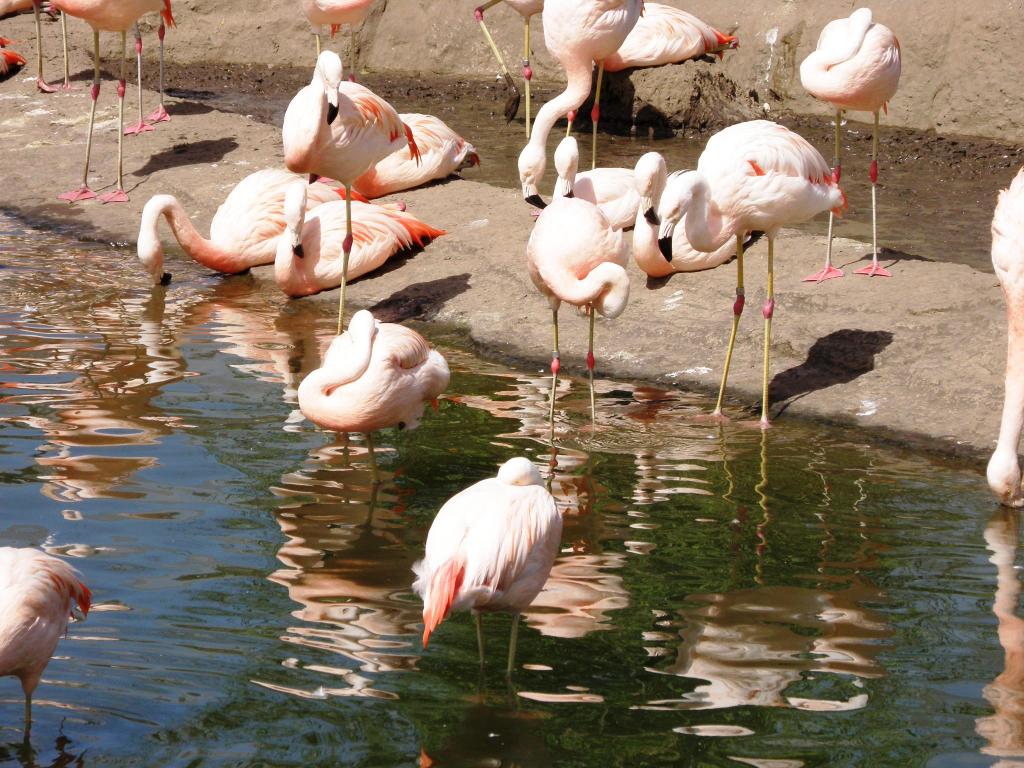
(41,84)
(159,115)
(83,192)
(119,195)
(139,127)
(874,270)
(828,272)
(64,40)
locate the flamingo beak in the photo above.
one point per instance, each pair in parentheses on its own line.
(536,200)
(165,278)
(332,112)
(665,239)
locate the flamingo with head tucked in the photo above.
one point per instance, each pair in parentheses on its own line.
(37,591)
(752,176)
(856,66)
(667,35)
(613,190)
(527,9)
(1004,476)
(490,548)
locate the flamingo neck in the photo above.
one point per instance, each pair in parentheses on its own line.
(578,75)
(1012,423)
(206,252)
(707,228)
(645,243)
(591,289)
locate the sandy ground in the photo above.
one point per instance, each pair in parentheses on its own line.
(918,357)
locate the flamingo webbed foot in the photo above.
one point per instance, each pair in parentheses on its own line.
(137,128)
(45,87)
(826,273)
(874,270)
(158,115)
(512,103)
(117,196)
(82,193)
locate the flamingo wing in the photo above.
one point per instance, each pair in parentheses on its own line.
(666,35)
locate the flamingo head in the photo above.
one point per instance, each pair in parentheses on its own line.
(294,215)
(519,471)
(362,328)
(567,160)
(531,171)
(613,298)
(1004,478)
(327,75)
(650,175)
(680,190)
(149,248)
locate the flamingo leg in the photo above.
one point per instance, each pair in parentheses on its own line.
(874,270)
(28,713)
(139,127)
(479,635)
(353,67)
(316,36)
(737,310)
(83,192)
(527,71)
(590,367)
(512,104)
(595,114)
(373,458)
(768,310)
(64,41)
(512,646)
(346,249)
(119,195)
(41,84)
(555,365)
(159,115)
(829,272)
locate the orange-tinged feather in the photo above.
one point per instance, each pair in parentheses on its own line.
(414,150)
(443,587)
(420,233)
(166,13)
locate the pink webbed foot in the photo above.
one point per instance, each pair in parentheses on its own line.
(136,128)
(827,273)
(82,193)
(66,86)
(117,196)
(158,115)
(45,87)
(874,270)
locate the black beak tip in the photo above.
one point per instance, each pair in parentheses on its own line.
(570,193)
(313,178)
(652,217)
(332,112)
(297,250)
(665,246)
(165,278)
(536,200)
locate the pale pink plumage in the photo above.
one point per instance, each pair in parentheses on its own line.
(442,152)
(491,546)
(13,6)
(244,230)
(1004,474)
(36,595)
(377,234)
(113,15)
(667,35)
(613,190)
(335,12)
(375,375)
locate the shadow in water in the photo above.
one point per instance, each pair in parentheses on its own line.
(28,757)
(193,153)
(838,358)
(420,301)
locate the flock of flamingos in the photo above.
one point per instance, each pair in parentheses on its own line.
(492,546)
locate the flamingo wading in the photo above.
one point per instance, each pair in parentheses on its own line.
(527,9)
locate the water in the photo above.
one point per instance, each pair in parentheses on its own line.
(723,596)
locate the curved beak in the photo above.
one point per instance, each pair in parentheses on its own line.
(332,109)
(665,232)
(536,201)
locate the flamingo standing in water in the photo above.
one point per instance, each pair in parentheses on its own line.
(375,375)
(576,256)
(856,66)
(613,190)
(577,33)
(36,595)
(752,176)
(244,230)
(667,35)
(442,152)
(306,260)
(527,9)
(490,548)
(1004,477)
(336,14)
(339,130)
(108,16)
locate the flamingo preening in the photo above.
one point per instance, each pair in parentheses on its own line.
(527,9)
(490,548)
(856,67)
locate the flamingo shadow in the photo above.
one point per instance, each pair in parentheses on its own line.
(421,301)
(193,153)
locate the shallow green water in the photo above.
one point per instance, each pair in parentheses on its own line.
(724,596)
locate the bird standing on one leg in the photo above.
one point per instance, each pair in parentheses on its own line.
(856,66)
(527,9)
(490,549)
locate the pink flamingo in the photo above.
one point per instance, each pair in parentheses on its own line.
(527,9)
(667,35)
(337,13)
(577,33)
(244,230)
(442,152)
(8,58)
(340,130)
(613,190)
(1008,259)
(108,16)
(856,66)
(752,176)
(375,375)
(490,548)
(303,267)
(36,592)
(574,255)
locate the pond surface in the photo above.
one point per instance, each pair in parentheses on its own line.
(723,596)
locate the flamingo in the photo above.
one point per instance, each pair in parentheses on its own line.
(667,35)
(375,375)
(527,9)
(336,13)
(661,192)
(490,548)
(1004,476)
(8,58)
(442,152)
(751,176)
(244,230)
(856,66)
(577,33)
(613,190)
(108,16)
(574,255)
(302,266)
(159,114)
(36,592)
(340,130)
